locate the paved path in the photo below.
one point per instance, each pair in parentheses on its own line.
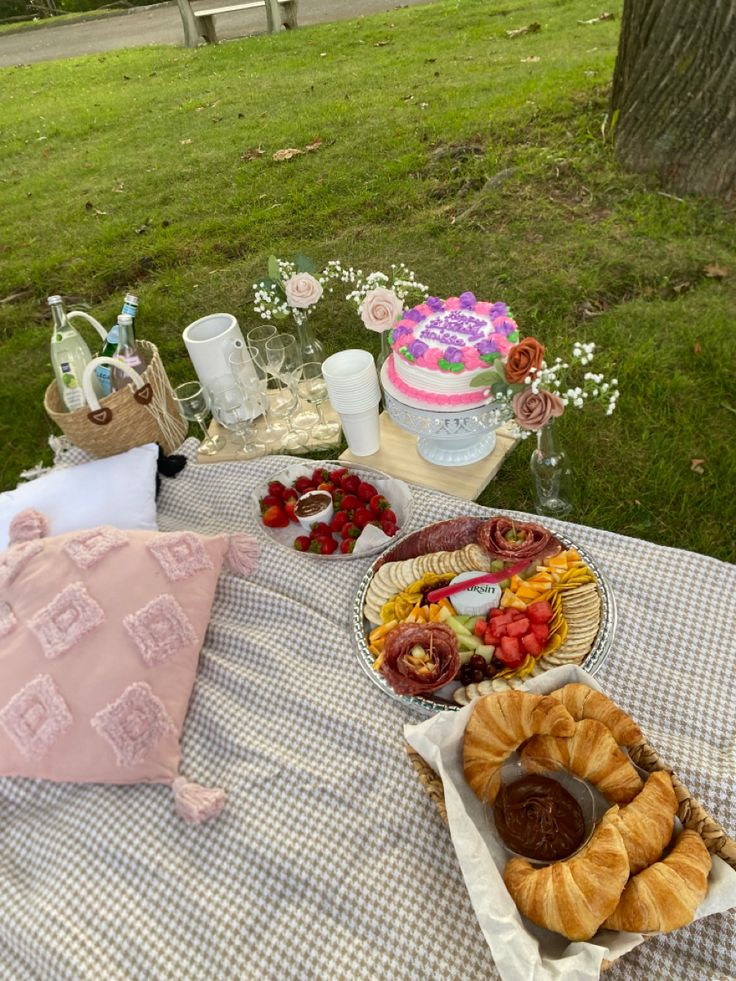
(162,25)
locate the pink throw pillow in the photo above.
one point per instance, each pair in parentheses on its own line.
(100,633)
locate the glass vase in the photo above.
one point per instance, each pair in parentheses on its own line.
(310,347)
(385,350)
(551,475)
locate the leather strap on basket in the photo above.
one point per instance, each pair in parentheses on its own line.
(101,416)
(144,395)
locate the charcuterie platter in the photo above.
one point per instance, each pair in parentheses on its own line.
(472,605)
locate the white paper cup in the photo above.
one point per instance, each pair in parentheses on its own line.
(347,366)
(355,401)
(361,431)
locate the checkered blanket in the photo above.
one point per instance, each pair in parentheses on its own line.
(329,861)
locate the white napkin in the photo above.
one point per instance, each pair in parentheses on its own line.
(521,950)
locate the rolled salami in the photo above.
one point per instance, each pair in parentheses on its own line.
(420,657)
(445,536)
(505,539)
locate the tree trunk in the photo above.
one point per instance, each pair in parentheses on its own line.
(673,105)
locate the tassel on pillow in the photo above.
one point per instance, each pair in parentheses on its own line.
(27,526)
(242,555)
(195,804)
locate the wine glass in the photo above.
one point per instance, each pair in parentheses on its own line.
(314,390)
(234,408)
(251,376)
(282,401)
(192,401)
(284,361)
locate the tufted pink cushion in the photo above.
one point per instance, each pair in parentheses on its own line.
(100,633)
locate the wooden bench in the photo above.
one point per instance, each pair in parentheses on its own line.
(200,24)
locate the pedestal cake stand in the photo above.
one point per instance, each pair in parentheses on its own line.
(446,438)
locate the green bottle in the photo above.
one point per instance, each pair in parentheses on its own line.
(104,371)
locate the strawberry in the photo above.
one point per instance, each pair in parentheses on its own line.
(276,488)
(540,612)
(351,484)
(320,474)
(327,546)
(269,501)
(350,530)
(302,543)
(303,484)
(389,528)
(362,517)
(531,645)
(366,491)
(347,545)
(275,517)
(326,485)
(388,515)
(320,528)
(337,475)
(289,503)
(378,503)
(339,520)
(349,503)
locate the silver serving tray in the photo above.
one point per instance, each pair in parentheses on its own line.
(431,703)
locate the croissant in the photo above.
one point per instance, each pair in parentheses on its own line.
(498,724)
(665,896)
(575,896)
(646,823)
(583,702)
(592,753)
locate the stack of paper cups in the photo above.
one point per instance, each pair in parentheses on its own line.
(352,385)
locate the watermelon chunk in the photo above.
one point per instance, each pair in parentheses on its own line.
(518,628)
(540,612)
(511,652)
(531,645)
(541,632)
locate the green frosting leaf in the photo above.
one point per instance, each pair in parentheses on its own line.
(514,336)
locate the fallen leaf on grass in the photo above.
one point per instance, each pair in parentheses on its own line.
(697,466)
(521,31)
(185,142)
(598,19)
(714,271)
(253,154)
(530,59)
(380,44)
(287,154)
(697,349)
(142,229)
(88,206)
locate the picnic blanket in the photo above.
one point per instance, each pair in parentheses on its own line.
(329,860)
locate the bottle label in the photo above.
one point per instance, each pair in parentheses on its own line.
(103,373)
(72,394)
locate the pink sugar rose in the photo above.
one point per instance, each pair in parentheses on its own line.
(471,358)
(425,309)
(302,290)
(380,309)
(453,303)
(431,357)
(483,307)
(533,410)
(502,342)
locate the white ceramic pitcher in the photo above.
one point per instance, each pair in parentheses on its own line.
(210,342)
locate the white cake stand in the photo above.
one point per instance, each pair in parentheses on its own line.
(446,438)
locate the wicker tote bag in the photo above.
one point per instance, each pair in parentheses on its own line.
(144,412)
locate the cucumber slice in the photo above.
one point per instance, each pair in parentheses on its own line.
(486,650)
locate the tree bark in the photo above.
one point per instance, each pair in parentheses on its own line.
(673,104)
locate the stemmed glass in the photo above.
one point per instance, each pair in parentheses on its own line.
(284,361)
(234,408)
(192,401)
(282,401)
(247,373)
(314,390)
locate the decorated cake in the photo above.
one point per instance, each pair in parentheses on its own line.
(439,346)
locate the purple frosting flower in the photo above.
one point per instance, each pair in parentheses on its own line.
(399,332)
(434,303)
(487,347)
(417,349)
(498,310)
(414,315)
(467,301)
(504,325)
(454,354)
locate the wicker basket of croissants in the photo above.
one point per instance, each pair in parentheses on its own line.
(582,731)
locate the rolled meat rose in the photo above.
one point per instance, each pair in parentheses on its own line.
(505,539)
(420,657)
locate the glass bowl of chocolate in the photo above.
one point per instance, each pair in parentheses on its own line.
(545,816)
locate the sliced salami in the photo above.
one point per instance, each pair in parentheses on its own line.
(505,539)
(445,536)
(420,657)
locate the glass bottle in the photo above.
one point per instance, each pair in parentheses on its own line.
(127,352)
(311,348)
(103,372)
(551,474)
(69,357)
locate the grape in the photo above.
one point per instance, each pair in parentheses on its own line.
(477,675)
(477,661)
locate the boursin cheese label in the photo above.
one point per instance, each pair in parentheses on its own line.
(475,600)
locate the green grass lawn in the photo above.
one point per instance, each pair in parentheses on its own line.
(476,159)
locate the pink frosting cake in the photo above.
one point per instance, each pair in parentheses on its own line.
(441,345)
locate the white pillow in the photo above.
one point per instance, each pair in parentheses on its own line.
(119,491)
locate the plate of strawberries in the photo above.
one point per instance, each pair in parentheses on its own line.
(362,511)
